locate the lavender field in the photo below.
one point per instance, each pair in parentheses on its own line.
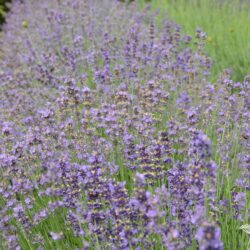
(113,135)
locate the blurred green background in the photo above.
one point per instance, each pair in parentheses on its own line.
(3,9)
(227,24)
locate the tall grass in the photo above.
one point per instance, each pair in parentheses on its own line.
(227,24)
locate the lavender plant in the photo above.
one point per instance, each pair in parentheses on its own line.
(112,136)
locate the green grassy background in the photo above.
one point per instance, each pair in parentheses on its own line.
(227,24)
(3,9)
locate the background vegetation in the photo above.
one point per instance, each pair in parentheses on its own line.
(227,24)
(3,9)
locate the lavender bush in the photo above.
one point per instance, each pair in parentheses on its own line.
(112,136)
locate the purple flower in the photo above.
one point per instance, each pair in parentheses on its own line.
(209,237)
(56,236)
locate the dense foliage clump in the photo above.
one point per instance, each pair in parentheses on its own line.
(112,136)
(3,10)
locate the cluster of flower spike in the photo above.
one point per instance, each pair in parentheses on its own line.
(110,127)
